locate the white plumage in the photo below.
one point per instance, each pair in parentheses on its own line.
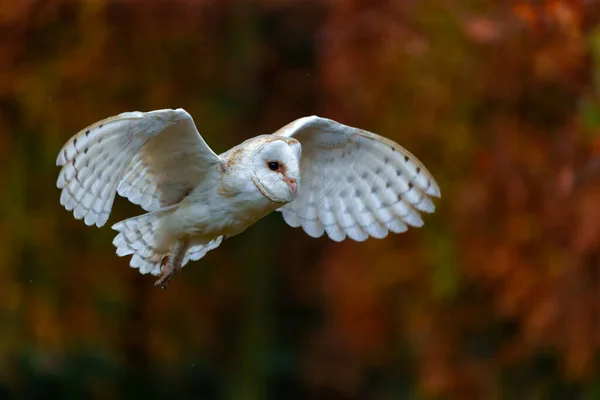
(322,175)
(360,184)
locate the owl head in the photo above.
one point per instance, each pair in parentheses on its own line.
(275,167)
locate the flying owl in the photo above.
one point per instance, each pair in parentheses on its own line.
(320,174)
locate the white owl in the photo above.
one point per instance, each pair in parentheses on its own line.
(322,175)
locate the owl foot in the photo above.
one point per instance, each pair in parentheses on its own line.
(171,264)
(168,271)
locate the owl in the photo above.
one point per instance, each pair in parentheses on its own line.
(323,176)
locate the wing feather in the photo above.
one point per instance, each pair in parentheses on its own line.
(355,183)
(153,158)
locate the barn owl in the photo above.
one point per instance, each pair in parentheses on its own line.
(321,175)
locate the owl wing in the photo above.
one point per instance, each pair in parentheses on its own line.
(355,183)
(152,158)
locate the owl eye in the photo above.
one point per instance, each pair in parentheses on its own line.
(273,165)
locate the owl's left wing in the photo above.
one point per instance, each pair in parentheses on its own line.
(152,158)
(355,183)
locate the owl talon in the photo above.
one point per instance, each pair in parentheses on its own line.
(168,271)
(166,275)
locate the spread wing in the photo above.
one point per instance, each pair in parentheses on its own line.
(152,158)
(355,183)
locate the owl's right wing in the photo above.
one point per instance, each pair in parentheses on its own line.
(152,158)
(355,183)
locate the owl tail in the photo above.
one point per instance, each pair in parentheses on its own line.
(138,236)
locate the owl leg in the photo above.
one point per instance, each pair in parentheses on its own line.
(171,264)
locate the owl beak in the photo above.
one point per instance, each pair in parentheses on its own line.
(291,183)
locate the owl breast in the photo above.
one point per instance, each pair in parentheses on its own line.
(239,212)
(207,213)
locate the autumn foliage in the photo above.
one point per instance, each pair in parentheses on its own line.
(497,296)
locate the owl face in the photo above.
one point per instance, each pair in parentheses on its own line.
(276,169)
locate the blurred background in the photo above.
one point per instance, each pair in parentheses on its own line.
(496,297)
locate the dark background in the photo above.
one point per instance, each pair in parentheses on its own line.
(496,297)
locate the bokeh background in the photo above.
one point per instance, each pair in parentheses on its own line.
(496,297)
